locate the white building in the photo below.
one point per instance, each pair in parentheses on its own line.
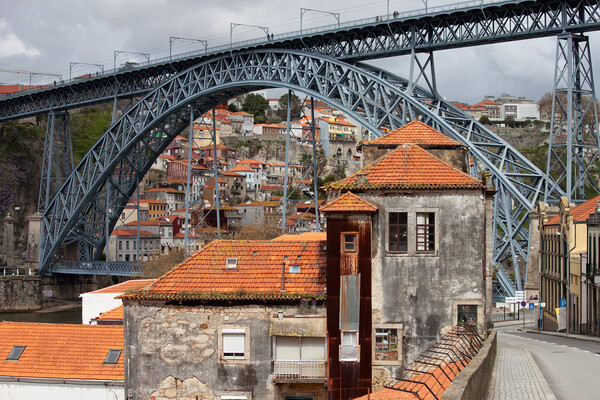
(520,112)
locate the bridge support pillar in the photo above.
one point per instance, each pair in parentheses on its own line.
(58,157)
(574,144)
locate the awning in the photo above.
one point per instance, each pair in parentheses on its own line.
(299,326)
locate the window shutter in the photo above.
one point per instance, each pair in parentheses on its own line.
(234,344)
(313,349)
(288,348)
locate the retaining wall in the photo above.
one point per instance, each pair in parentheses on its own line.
(19,293)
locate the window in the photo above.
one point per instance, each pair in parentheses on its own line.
(15,353)
(231,263)
(234,343)
(294,269)
(113,356)
(135,244)
(127,245)
(120,245)
(349,347)
(467,315)
(425,232)
(349,244)
(398,223)
(386,344)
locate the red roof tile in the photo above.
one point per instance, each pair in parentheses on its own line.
(132,284)
(415,132)
(116,314)
(580,213)
(407,167)
(61,351)
(257,275)
(349,202)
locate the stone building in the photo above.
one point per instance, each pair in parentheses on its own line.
(409,245)
(238,320)
(590,279)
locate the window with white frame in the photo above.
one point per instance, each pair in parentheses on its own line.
(233,344)
(349,347)
(295,348)
(425,232)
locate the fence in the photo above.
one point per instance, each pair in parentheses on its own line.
(300,370)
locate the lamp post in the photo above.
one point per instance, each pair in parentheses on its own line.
(233,25)
(117,52)
(305,10)
(71,64)
(174,38)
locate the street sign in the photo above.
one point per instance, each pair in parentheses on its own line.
(520,294)
(563,303)
(523,304)
(511,300)
(531,306)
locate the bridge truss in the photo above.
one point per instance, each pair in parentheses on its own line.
(102,183)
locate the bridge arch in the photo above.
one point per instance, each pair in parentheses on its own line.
(92,198)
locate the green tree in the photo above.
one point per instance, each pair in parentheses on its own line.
(296,109)
(484,120)
(257,105)
(232,107)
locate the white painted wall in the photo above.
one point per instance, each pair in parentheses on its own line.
(94,304)
(61,391)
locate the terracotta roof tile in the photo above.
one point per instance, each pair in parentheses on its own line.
(407,167)
(349,202)
(116,314)
(126,286)
(257,275)
(580,213)
(415,132)
(61,351)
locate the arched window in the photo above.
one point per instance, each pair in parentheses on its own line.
(339,153)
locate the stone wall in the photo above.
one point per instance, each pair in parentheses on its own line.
(472,383)
(173,350)
(19,293)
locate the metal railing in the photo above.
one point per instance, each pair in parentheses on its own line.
(300,370)
(118,268)
(505,314)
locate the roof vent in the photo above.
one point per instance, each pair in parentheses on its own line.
(361,178)
(113,356)
(15,353)
(231,263)
(254,253)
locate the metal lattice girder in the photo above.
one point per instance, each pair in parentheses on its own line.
(370,96)
(58,157)
(468,24)
(574,144)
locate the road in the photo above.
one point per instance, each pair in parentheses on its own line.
(570,366)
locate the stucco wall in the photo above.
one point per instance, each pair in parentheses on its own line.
(173,351)
(61,391)
(19,293)
(422,291)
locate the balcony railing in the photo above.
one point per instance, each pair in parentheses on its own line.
(300,370)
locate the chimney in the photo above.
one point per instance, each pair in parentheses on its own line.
(361,178)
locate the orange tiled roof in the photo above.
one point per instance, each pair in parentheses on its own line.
(131,232)
(580,213)
(61,351)
(242,168)
(167,190)
(349,202)
(116,314)
(257,275)
(415,132)
(132,284)
(303,237)
(408,167)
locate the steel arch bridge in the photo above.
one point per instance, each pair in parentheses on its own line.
(107,176)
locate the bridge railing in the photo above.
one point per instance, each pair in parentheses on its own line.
(464,5)
(118,268)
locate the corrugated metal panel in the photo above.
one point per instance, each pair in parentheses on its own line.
(313,327)
(349,263)
(349,302)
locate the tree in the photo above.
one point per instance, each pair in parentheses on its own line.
(257,105)
(296,110)
(485,120)
(232,107)
(160,265)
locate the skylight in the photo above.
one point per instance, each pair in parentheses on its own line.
(113,356)
(15,353)
(294,269)
(231,263)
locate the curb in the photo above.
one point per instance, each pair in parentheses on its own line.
(583,338)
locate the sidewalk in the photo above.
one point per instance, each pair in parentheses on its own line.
(517,376)
(586,338)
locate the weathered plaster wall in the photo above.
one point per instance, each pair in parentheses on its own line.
(173,351)
(422,291)
(19,293)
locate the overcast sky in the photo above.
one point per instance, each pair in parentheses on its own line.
(45,36)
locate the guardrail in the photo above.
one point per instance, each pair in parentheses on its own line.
(117,268)
(300,370)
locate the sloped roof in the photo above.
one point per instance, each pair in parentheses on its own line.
(407,167)
(61,351)
(349,202)
(116,314)
(132,284)
(257,275)
(415,132)
(580,213)
(242,168)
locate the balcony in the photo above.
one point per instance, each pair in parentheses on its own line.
(299,371)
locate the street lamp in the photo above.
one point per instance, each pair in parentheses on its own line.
(305,10)
(234,25)
(117,52)
(71,64)
(174,38)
